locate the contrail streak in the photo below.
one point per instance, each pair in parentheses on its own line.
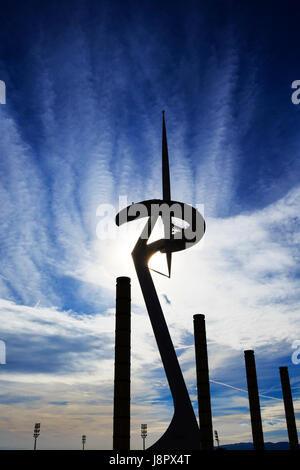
(242,389)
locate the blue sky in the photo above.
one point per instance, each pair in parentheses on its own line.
(86,82)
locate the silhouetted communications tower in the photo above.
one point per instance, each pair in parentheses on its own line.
(183,431)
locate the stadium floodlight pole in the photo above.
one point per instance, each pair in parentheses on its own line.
(217,438)
(143,433)
(83,441)
(36,433)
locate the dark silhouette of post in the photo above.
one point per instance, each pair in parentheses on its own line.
(204,406)
(256,423)
(289,408)
(121,424)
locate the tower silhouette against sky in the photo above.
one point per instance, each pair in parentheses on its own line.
(183,431)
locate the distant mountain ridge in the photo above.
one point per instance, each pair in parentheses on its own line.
(249,446)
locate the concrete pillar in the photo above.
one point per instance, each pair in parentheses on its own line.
(256,423)
(121,423)
(204,406)
(289,408)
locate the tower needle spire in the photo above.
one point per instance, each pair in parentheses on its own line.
(166,188)
(165,164)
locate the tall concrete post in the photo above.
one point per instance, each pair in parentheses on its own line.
(289,408)
(121,424)
(256,423)
(204,405)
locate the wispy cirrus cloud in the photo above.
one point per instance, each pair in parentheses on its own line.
(83,127)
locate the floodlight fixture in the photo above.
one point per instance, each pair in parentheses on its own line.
(36,433)
(143,433)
